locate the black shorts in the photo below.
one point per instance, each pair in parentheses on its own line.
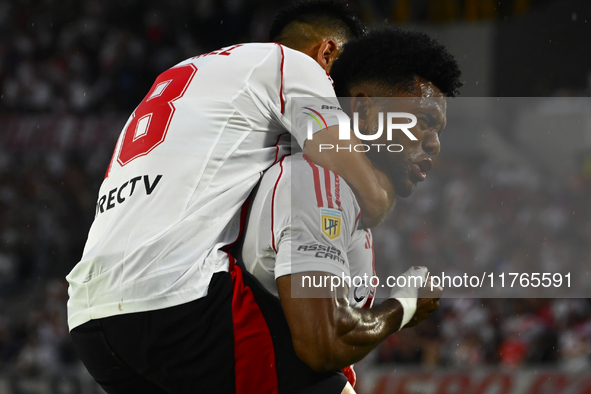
(235,340)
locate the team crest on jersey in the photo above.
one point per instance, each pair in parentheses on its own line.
(330,222)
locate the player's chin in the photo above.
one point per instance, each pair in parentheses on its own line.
(405,189)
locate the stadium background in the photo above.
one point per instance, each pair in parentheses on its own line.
(72,71)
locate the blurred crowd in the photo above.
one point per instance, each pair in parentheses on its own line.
(91,55)
(471,333)
(472,214)
(36,341)
(47,203)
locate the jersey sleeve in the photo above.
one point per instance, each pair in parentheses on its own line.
(314,233)
(299,93)
(361,256)
(309,96)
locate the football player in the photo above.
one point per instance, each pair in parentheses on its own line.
(156,304)
(303,237)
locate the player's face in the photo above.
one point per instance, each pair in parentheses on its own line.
(410,166)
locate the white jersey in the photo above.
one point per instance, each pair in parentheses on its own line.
(185,162)
(304,218)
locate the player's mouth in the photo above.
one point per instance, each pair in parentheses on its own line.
(420,169)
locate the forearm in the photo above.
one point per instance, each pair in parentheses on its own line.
(330,334)
(359,331)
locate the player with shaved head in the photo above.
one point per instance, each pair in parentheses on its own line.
(316,28)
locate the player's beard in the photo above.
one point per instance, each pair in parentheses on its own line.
(399,173)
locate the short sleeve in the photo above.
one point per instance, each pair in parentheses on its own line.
(361,256)
(307,96)
(316,234)
(305,247)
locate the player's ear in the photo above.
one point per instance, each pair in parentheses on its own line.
(327,54)
(364,106)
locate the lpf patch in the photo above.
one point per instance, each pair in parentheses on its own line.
(331,222)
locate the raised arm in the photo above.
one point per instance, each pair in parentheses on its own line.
(306,88)
(372,188)
(329,334)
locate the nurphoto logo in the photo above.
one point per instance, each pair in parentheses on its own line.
(345,129)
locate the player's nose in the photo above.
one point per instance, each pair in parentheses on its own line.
(431,144)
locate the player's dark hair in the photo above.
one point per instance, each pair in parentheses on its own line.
(395,56)
(332,14)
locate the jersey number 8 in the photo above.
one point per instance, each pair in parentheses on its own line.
(151,119)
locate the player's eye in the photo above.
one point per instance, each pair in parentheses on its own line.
(430,122)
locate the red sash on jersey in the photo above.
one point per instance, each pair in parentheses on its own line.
(350,374)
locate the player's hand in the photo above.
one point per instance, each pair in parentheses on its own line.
(407,295)
(427,303)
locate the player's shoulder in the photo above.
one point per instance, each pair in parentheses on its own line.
(305,177)
(321,187)
(298,188)
(303,168)
(295,55)
(291,59)
(301,63)
(253,51)
(279,49)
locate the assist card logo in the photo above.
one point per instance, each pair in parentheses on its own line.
(330,222)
